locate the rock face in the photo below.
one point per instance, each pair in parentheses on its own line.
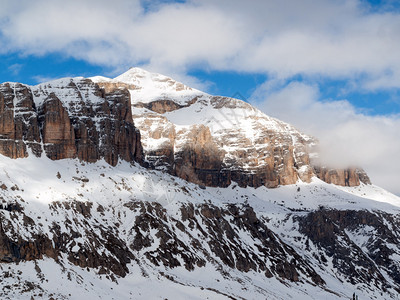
(200,159)
(360,260)
(342,177)
(215,141)
(69,118)
(19,127)
(40,245)
(236,143)
(58,132)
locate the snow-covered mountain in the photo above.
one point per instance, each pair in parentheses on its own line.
(215,140)
(93,209)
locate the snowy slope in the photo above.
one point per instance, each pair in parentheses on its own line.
(99,182)
(40,182)
(148,87)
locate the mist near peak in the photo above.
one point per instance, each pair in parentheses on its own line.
(347,137)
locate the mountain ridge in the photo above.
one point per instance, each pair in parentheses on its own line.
(92,220)
(223,140)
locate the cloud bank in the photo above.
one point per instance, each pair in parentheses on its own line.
(280,38)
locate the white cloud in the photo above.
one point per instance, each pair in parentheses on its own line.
(41,79)
(281,38)
(15,69)
(347,137)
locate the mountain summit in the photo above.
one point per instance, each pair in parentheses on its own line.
(140,187)
(146,87)
(214,140)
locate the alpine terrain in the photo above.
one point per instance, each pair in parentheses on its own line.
(140,187)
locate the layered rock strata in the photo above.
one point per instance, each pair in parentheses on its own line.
(68,118)
(220,150)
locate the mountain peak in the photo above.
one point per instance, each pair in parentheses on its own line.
(136,72)
(148,80)
(146,87)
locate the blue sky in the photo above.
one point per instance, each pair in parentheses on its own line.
(34,69)
(330,67)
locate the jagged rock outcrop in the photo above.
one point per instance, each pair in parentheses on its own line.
(369,259)
(70,118)
(342,177)
(38,246)
(213,239)
(199,160)
(57,130)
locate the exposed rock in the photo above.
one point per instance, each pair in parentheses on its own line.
(200,159)
(220,234)
(18,121)
(163,106)
(57,130)
(119,137)
(362,176)
(20,249)
(207,228)
(67,119)
(222,152)
(111,86)
(331,230)
(342,177)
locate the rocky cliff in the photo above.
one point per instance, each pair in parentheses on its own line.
(69,118)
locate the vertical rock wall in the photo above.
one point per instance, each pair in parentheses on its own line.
(73,118)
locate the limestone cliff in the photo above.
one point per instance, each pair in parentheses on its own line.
(236,143)
(68,118)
